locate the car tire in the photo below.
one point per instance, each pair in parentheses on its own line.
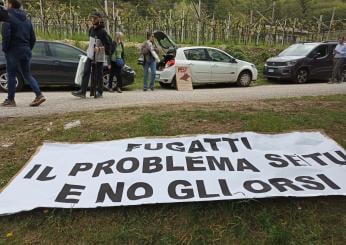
(343,75)
(4,83)
(244,79)
(165,85)
(302,76)
(174,83)
(106,79)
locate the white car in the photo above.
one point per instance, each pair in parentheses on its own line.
(208,65)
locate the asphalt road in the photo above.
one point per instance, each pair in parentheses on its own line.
(63,102)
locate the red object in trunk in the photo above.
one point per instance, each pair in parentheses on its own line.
(170,63)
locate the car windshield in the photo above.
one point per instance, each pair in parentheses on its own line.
(298,49)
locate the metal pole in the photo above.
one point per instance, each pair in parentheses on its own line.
(331,23)
(199,21)
(106,10)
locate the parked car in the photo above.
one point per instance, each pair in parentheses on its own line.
(55,63)
(303,62)
(208,65)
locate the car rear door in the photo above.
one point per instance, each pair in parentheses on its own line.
(199,62)
(222,67)
(41,63)
(65,59)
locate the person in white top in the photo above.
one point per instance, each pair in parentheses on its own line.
(150,52)
(339,60)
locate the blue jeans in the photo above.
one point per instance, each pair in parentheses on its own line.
(20,57)
(152,66)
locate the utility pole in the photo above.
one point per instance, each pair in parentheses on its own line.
(331,23)
(183,27)
(114,20)
(319,27)
(228,27)
(106,10)
(199,21)
(273,12)
(42,17)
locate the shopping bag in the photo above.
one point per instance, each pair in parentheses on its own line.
(80,70)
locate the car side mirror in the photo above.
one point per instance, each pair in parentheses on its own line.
(233,60)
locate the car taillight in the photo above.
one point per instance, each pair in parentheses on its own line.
(170,63)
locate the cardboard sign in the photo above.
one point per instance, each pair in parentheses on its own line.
(184,78)
(180,169)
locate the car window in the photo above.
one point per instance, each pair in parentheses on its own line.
(196,54)
(320,52)
(64,52)
(301,49)
(218,56)
(332,48)
(39,50)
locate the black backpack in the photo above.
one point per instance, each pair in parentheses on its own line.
(109,46)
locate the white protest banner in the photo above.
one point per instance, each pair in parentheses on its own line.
(181,169)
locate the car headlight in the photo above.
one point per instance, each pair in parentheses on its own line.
(253,66)
(292,62)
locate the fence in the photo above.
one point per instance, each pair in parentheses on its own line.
(246,30)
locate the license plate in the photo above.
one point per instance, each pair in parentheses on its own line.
(270,70)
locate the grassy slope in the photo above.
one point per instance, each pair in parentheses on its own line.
(268,221)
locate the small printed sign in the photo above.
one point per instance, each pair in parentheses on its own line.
(184,78)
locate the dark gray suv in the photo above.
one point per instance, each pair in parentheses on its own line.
(302,62)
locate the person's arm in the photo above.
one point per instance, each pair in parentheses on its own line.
(32,37)
(6,36)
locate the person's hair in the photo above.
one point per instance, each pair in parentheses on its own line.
(16,4)
(149,34)
(119,34)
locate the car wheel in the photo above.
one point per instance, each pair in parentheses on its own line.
(343,75)
(106,79)
(244,79)
(4,82)
(302,76)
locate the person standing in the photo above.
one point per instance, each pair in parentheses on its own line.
(150,52)
(18,41)
(116,62)
(99,46)
(339,57)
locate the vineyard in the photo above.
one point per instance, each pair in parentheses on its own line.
(186,22)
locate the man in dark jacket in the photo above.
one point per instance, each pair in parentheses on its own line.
(18,41)
(99,46)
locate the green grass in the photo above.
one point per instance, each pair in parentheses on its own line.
(263,221)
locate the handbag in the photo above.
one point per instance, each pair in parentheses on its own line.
(80,70)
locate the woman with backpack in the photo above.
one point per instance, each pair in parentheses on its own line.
(116,62)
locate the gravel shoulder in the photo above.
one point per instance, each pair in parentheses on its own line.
(64,102)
